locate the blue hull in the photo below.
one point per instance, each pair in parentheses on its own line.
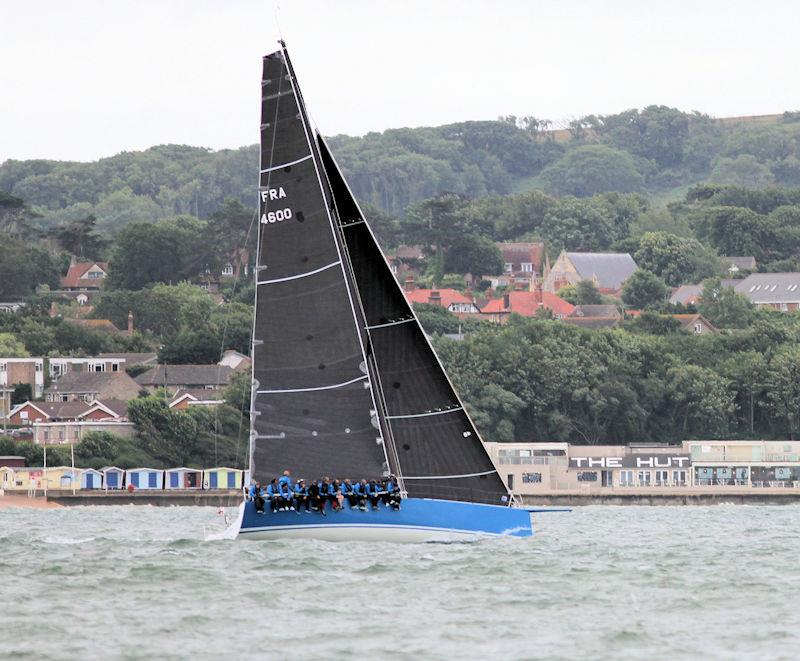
(419,520)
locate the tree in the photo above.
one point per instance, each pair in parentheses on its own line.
(675,259)
(783,387)
(744,170)
(592,169)
(473,254)
(168,435)
(701,400)
(724,307)
(237,392)
(23,267)
(22,393)
(200,346)
(79,237)
(644,289)
(11,347)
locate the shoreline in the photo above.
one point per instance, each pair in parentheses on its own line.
(22,501)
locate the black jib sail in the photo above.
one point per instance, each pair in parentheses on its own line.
(346,382)
(438,448)
(312,410)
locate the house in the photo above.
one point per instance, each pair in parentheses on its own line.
(459,304)
(523,263)
(38,411)
(11,306)
(696,323)
(15,371)
(128,360)
(185,377)
(145,478)
(67,432)
(183,478)
(91,479)
(231,269)
(85,276)
(777,291)
(91,386)
(736,264)
(99,325)
(222,478)
(607,270)
(596,311)
(113,477)
(12,461)
(691,294)
(235,360)
(527,304)
(183,399)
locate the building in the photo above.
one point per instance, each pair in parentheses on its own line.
(85,276)
(91,479)
(222,478)
(740,263)
(607,270)
(12,461)
(523,265)
(68,432)
(185,377)
(183,399)
(183,478)
(131,359)
(459,304)
(693,467)
(58,366)
(691,294)
(16,371)
(777,291)
(593,322)
(235,360)
(144,478)
(113,477)
(91,386)
(527,304)
(696,324)
(38,411)
(596,311)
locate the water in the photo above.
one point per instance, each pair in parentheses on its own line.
(599,583)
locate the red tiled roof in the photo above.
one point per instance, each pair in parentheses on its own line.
(74,277)
(526,303)
(448,296)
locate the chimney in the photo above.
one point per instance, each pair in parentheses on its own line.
(130,322)
(435,298)
(410,285)
(506,301)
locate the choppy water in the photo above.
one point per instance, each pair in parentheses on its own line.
(599,583)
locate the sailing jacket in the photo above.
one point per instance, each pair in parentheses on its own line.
(347,489)
(299,490)
(273,490)
(285,480)
(373,489)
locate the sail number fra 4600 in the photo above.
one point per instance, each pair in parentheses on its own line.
(279,214)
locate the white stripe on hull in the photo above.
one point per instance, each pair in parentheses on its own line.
(369,533)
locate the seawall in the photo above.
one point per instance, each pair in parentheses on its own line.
(205,498)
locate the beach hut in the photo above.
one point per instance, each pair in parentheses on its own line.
(183,478)
(113,477)
(145,478)
(91,479)
(222,478)
(60,477)
(6,478)
(27,479)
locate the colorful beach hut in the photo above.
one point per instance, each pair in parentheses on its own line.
(113,477)
(222,478)
(183,478)
(91,479)
(6,478)
(145,478)
(61,477)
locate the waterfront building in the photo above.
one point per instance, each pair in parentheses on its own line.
(183,478)
(6,477)
(759,464)
(113,477)
(222,478)
(145,478)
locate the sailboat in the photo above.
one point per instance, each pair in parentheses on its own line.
(345,381)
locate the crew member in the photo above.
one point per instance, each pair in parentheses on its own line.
(256,494)
(285,494)
(300,496)
(373,490)
(274,495)
(349,494)
(286,479)
(391,496)
(314,497)
(360,489)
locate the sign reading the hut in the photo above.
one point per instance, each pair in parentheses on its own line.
(632,461)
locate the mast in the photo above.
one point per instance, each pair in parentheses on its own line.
(313,409)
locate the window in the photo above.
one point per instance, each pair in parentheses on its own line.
(227,269)
(115,367)
(784,307)
(46,435)
(662,478)
(2,367)
(679,478)
(39,367)
(526,267)
(531,478)
(698,328)
(644,478)
(587,476)
(626,478)
(508,267)
(63,398)
(510,481)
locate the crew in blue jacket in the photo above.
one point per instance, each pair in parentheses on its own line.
(301,496)
(286,479)
(285,496)
(360,489)
(274,495)
(349,494)
(373,493)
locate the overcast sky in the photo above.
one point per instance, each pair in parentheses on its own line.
(84,79)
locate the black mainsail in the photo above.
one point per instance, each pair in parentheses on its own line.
(347,383)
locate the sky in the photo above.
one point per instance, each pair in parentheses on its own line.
(86,79)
